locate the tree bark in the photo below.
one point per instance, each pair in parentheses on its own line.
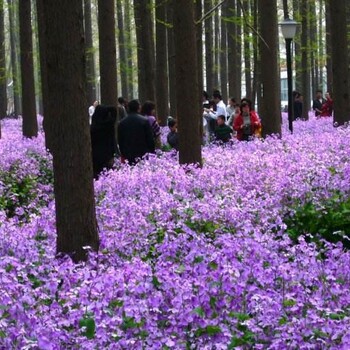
(43,72)
(216,49)
(189,102)
(171,59)
(145,50)
(340,61)
(305,62)
(30,123)
(297,48)
(162,64)
(108,55)
(129,49)
(329,49)
(223,54)
(123,60)
(66,115)
(3,80)
(247,50)
(90,59)
(209,45)
(270,101)
(17,107)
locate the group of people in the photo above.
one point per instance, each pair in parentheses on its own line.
(136,132)
(323,107)
(222,123)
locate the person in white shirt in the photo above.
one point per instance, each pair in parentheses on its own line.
(220,110)
(92,110)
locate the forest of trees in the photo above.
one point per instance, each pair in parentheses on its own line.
(57,57)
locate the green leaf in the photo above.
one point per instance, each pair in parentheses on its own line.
(199,311)
(289,302)
(90,327)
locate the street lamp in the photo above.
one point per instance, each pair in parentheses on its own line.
(288,28)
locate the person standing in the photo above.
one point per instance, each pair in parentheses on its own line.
(298,105)
(103,142)
(327,107)
(92,110)
(135,136)
(148,110)
(246,123)
(318,103)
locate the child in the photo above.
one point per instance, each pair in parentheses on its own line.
(173,136)
(223,133)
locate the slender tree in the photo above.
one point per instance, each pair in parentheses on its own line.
(270,100)
(30,123)
(341,86)
(305,66)
(43,72)
(209,45)
(297,47)
(123,61)
(171,58)
(162,64)
(129,48)
(66,111)
(247,49)
(145,49)
(329,48)
(14,57)
(216,48)
(108,52)
(90,56)
(223,53)
(3,83)
(188,94)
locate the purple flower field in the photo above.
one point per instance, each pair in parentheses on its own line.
(190,258)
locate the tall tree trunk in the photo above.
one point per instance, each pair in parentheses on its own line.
(145,50)
(108,55)
(123,60)
(90,60)
(43,72)
(340,60)
(270,102)
(247,51)
(238,50)
(199,39)
(199,42)
(188,95)
(233,47)
(254,11)
(171,59)
(14,58)
(313,44)
(3,80)
(329,49)
(216,53)
(209,43)
(320,44)
(30,123)
(297,47)
(129,48)
(162,66)
(71,148)
(223,54)
(305,62)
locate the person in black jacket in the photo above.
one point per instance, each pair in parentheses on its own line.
(103,142)
(135,136)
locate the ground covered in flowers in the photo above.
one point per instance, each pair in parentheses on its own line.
(230,256)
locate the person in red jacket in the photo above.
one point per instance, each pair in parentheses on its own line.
(327,107)
(246,123)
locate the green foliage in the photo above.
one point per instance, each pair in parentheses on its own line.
(329,220)
(88,325)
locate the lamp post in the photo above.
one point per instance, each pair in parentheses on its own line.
(288,28)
